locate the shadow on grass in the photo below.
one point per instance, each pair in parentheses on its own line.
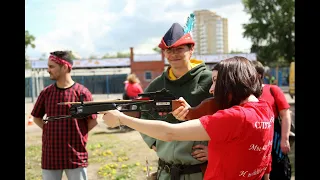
(112,132)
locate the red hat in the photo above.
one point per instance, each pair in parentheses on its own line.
(177,35)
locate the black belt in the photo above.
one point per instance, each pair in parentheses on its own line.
(175,170)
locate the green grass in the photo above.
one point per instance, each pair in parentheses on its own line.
(33,160)
(115,159)
(110,158)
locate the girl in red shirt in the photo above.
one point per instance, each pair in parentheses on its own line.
(133,87)
(239,134)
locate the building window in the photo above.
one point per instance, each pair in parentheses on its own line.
(148,76)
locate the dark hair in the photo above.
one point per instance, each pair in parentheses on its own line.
(65,55)
(259,68)
(237,79)
(216,66)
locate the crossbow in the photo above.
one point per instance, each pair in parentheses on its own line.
(158,101)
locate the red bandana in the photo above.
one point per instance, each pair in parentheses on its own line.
(60,61)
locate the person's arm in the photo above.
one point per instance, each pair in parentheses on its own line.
(140,90)
(92,119)
(159,129)
(266,177)
(284,113)
(38,122)
(285,130)
(92,123)
(150,141)
(38,110)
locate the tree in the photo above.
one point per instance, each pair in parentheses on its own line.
(93,57)
(157,49)
(271,29)
(43,57)
(123,55)
(29,39)
(236,52)
(107,55)
(74,57)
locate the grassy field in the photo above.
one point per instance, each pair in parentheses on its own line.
(112,155)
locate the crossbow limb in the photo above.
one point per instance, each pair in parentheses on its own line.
(159,101)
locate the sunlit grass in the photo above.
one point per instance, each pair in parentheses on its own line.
(106,151)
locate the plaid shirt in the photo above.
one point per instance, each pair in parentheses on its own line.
(64,140)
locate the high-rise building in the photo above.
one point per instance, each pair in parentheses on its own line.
(210,33)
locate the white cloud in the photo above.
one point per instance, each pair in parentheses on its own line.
(147,46)
(104,26)
(130,8)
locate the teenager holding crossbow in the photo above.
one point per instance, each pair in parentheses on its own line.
(188,78)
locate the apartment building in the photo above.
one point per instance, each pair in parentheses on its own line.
(210,33)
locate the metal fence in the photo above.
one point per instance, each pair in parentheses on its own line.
(282,76)
(97,84)
(111,82)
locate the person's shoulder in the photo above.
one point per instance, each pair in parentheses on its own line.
(203,70)
(233,112)
(275,87)
(50,87)
(157,81)
(205,80)
(207,72)
(261,105)
(81,87)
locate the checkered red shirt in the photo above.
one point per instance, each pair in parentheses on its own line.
(63,141)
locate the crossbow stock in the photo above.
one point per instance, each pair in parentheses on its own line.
(159,101)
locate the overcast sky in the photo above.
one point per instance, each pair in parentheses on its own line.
(97,27)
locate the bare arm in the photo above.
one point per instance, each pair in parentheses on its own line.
(91,124)
(38,122)
(285,130)
(186,131)
(266,177)
(285,123)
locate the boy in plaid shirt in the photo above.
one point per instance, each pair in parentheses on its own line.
(64,140)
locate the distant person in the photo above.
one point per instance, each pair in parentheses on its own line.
(124,95)
(132,86)
(281,144)
(64,140)
(273,80)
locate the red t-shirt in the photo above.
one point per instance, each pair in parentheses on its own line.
(133,90)
(241,142)
(278,98)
